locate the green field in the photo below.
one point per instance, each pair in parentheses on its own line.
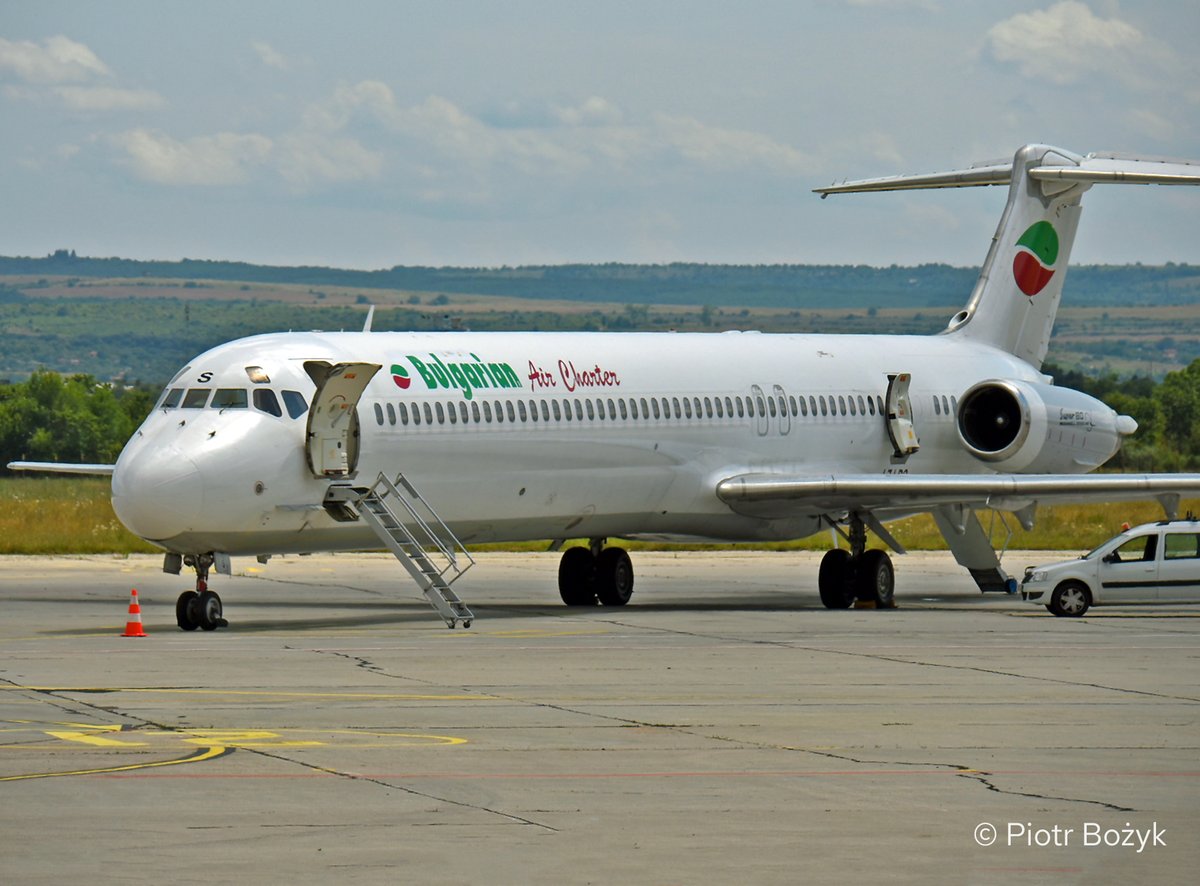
(57,515)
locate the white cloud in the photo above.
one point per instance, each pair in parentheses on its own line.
(306,159)
(1063,43)
(221,159)
(593,111)
(108,98)
(58,60)
(269,55)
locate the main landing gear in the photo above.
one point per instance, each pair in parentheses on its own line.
(200,608)
(857,574)
(595,574)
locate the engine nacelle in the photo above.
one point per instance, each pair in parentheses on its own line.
(1032,428)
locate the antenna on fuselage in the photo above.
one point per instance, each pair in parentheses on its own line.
(370,317)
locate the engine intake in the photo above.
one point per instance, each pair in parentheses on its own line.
(1034,428)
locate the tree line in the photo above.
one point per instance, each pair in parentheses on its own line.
(75,418)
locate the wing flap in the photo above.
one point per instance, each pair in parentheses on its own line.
(781,495)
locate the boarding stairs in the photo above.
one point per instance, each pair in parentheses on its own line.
(416,536)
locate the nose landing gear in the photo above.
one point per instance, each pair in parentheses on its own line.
(200,608)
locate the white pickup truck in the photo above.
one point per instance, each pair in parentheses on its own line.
(1151,563)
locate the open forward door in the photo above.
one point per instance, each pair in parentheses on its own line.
(899,417)
(332,441)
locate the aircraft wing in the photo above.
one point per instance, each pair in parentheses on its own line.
(783,495)
(51,467)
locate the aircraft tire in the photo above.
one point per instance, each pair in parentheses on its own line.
(209,611)
(614,577)
(834,580)
(576,573)
(186,608)
(875,579)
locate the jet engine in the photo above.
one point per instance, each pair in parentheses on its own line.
(1033,428)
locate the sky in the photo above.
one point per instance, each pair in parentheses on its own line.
(372,134)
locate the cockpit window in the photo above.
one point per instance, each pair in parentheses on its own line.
(266,401)
(171,398)
(295,403)
(258,375)
(195,398)
(229,398)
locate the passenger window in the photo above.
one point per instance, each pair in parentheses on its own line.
(266,401)
(803,407)
(612,410)
(462,411)
(841,404)
(795,410)
(654,407)
(1181,546)
(624,409)
(475,412)
(391,411)
(295,403)
(440,414)
(687,407)
(378,414)
(645,408)
(937,406)
(824,405)
(770,405)
(428,414)
(566,405)
(172,398)
(521,409)
(545,411)
(452,413)
(195,398)
(487,412)
(633,407)
(591,410)
(557,410)
(511,415)
(741,406)
(862,407)
(853,411)
(500,412)
(403,414)
(416,414)
(600,408)
(720,408)
(945,405)
(761,406)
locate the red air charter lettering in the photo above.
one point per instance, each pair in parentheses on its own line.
(540,378)
(586,378)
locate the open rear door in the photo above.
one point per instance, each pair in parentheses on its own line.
(332,441)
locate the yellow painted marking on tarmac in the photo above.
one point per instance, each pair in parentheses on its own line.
(245,738)
(206,754)
(97,740)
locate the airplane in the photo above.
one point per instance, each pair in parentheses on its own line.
(426,442)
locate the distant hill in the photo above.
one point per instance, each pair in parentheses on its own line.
(767,286)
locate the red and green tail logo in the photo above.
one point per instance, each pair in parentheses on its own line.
(1037,251)
(400,376)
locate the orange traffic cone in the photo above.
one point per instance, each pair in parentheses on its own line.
(133,627)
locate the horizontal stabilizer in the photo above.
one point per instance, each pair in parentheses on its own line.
(50,467)
(1117,169)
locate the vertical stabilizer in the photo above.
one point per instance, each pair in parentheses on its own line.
(1016,297)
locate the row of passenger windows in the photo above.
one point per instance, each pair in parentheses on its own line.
(945,406)
(235,398)
(622,408)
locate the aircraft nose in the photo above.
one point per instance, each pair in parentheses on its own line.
(156,492)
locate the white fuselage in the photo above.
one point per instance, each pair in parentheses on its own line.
(541,435)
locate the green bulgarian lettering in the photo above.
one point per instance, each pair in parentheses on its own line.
(466,377)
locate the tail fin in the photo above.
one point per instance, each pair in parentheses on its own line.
(1016,297)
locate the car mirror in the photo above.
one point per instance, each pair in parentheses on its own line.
(1112,557)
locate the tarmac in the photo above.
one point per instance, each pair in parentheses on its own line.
(723,727)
